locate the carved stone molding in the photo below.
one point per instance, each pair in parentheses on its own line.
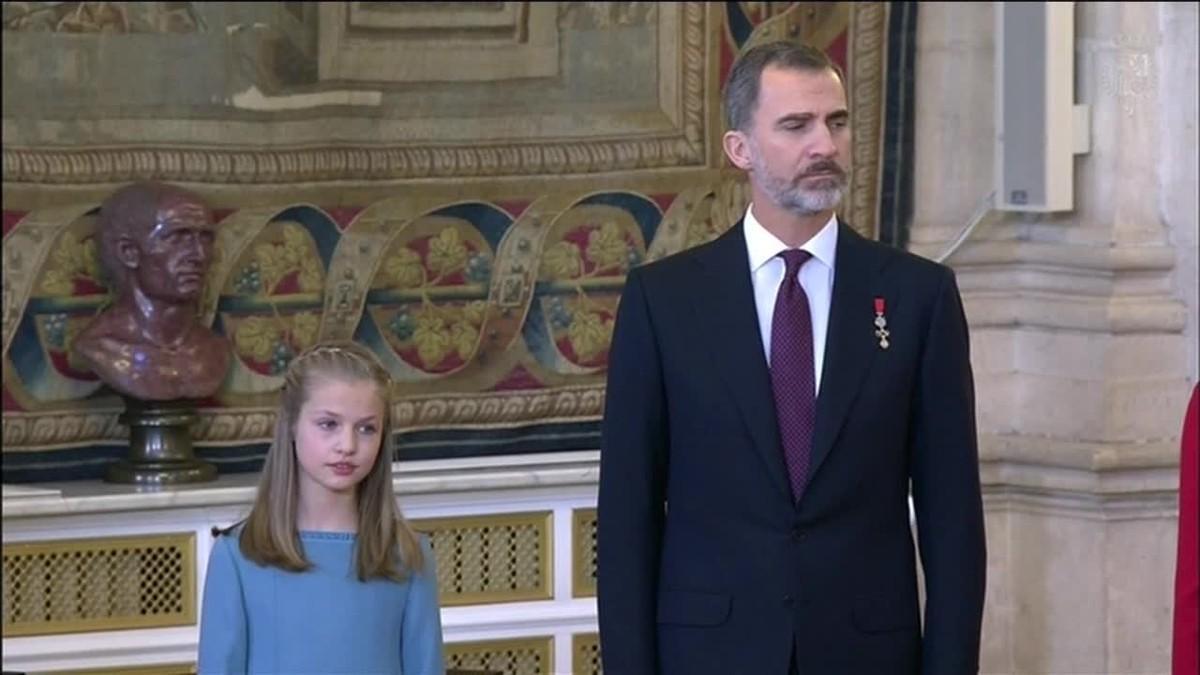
(1088,480)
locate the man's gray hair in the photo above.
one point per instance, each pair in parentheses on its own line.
(741,91)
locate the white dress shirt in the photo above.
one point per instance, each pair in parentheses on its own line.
(816,278)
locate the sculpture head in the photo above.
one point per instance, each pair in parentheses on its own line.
(156,240)
(156,245)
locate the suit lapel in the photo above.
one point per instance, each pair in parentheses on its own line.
(725,303)
(850,343)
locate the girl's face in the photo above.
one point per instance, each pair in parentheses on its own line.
(338,435)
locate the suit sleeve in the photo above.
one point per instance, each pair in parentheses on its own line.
(946,491)
(223,646)
(630,504)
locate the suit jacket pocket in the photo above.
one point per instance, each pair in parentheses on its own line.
(693,608)
(881,613)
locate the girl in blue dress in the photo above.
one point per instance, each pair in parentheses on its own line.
(324,575)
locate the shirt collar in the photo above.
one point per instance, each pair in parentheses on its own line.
(762,245)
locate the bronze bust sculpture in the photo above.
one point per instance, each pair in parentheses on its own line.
(156,245)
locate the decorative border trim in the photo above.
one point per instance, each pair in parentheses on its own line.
(685,146)
(867,56)
(55,429)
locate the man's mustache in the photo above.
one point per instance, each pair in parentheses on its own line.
(824,167)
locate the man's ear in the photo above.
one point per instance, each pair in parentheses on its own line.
(128,253)
(737,149)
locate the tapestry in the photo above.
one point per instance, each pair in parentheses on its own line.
(461,187)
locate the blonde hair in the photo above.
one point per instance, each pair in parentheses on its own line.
(387,546)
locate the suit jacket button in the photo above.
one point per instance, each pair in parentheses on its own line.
(788,601)
(797,533)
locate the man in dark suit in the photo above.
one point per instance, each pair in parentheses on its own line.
(772,395)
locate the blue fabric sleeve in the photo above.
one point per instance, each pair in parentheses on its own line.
(223,616)
(421,632)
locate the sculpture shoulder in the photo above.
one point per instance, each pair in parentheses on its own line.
(211,346)
(106,336)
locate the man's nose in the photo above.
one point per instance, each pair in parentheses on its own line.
(822,144)
(198,246)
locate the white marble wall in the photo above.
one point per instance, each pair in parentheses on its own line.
(1179,167)
(1084,333)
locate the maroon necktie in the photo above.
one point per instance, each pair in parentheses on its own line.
(792,371)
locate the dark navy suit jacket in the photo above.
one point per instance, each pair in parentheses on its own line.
(705,565)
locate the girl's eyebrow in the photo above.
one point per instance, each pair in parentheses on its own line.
(330,413)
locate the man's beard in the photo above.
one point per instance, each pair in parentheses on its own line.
(790,195)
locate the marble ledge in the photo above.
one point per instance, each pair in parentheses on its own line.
(1008,465)
(1081,470)
(1032,309)
(1065,256)
(1091,456)
(412,477)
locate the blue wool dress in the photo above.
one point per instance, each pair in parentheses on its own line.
(259,619)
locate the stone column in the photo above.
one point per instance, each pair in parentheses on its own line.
(1082,343)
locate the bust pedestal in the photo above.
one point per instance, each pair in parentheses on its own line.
(160,445)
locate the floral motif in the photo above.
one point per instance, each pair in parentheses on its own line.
(276,340)
(404,268)
(402,325)
(274,262)
(464,336)
(249,280)
(559,314)
(475,312)
(432,336)
(479,268)
(582,326)
(438,333)
(281,356)
(590,334)
(607,250)
(562,261)
(310,276)
(447,252)
(256,337)
(429,333)
(607,247)
(304,329)
(72,260)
